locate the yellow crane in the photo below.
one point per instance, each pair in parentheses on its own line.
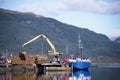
(50,52)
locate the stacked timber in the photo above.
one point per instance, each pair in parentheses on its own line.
(42,59)
(28,59)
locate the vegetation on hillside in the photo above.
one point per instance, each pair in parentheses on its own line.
(17,28)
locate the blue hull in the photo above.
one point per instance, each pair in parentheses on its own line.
(81,65)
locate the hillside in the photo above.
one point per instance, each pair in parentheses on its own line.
(116,39)
(17,28)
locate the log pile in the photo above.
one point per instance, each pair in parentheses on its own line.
(29,59)
(42,59)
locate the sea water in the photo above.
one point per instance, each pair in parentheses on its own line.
(99,72)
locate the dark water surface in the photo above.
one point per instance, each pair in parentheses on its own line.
(100,72)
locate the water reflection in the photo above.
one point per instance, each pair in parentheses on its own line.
(49,75)
(24,76)
(54,75)
(80,75)
(5,76)
(96,73)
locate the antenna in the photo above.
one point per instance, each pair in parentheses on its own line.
(67,49)
(42,48)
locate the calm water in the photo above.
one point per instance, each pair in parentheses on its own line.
(101,72)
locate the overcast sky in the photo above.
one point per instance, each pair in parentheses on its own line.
(101,16)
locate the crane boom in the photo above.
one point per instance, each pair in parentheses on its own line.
(49,42)
(53,52)
(35,38)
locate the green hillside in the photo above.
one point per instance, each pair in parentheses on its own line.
(17,28)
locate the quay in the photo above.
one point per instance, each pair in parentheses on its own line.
(43,67)
(5,65)
(53,67)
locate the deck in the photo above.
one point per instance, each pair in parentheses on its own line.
(53,67)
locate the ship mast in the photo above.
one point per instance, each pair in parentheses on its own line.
(80,47)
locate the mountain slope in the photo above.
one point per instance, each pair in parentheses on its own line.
(116,39)
(17,28)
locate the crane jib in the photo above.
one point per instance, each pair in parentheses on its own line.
(49,42)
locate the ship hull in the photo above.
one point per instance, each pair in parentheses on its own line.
(80,65)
